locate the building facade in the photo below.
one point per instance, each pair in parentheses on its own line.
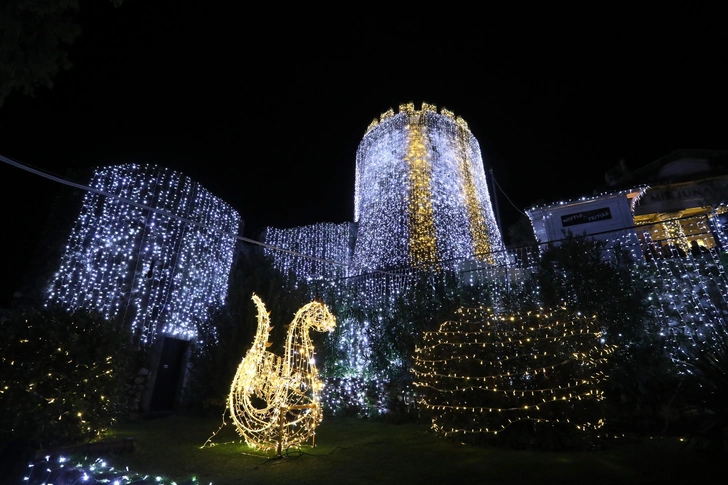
(679,208)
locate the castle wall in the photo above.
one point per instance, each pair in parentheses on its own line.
(421,197)
(317,251)
(150,246)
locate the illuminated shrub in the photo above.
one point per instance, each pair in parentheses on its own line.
(63,376)
(484,375)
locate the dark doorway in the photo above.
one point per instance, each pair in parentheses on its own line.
(169,375)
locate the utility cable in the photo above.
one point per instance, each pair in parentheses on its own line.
(70,183)
(64,181)
(506,195)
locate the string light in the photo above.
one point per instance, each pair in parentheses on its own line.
(64,471)
(323,241)
(486,371)
(421,198)
(153,269)
(420,193)
(274,401)
(421,203)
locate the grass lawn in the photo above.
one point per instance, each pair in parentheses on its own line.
(354,451)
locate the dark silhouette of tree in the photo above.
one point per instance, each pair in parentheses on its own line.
(617,175)
(704,358)
(64,378)
(34,41)
(520,233)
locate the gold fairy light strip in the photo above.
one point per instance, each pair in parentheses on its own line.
(483,375)
(422,238)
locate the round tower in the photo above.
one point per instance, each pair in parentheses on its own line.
(421,198)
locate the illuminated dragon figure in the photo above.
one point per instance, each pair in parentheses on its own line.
(275,401)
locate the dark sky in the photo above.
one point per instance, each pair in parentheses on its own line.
(265,104)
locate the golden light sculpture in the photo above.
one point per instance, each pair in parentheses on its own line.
(275,401)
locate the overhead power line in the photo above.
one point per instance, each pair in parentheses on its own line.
(505,195)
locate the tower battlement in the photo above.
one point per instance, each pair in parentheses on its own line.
(409,108)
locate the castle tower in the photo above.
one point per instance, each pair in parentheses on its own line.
(150,245)
(421,198)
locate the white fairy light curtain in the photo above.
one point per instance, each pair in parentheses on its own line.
(149,245)
(420,194)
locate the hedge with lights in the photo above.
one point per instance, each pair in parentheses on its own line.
(367,360)
(607,279)
(484,374)
(63,377)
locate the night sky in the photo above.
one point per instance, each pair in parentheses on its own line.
(265,106)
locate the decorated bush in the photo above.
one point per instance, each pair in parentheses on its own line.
(63,377)
(530,379)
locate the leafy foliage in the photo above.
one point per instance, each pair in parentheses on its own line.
(63,376)
(31,39)
(34,37)
(431,299)
(371,351)
(520,233)
(583,274)
(705,359)
(528,380)
(351,376)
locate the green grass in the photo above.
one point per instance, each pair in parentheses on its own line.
(353,451)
